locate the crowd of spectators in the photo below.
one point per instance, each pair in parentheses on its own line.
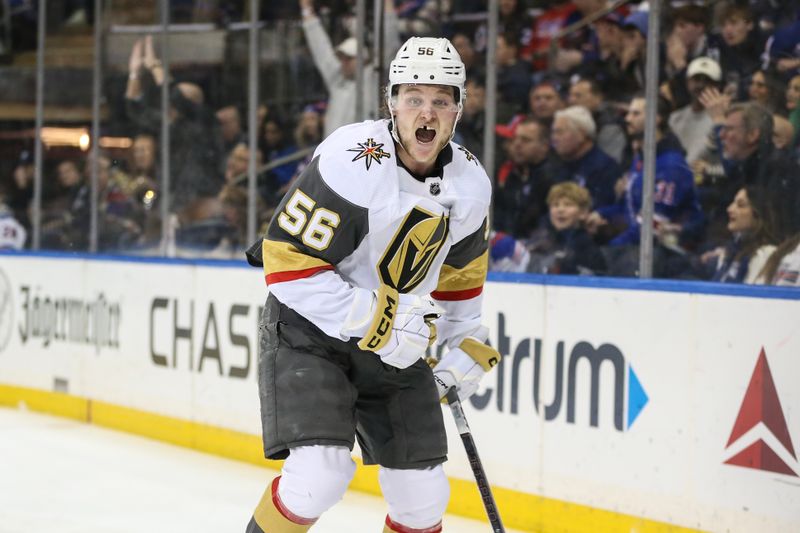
(726,141)
(569,176)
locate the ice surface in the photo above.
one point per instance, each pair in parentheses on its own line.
(62,475)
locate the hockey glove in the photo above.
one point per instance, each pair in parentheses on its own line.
(464,366)
(397,327)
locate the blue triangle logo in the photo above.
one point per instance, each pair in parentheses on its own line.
(637,397)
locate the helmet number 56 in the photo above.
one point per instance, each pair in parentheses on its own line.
(425,51)
(315,231)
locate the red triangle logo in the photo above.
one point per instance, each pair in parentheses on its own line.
(761,404)
(761,457)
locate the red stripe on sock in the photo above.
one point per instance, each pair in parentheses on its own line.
(400,528)
(287,514)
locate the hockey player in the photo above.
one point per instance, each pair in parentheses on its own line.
(379,245)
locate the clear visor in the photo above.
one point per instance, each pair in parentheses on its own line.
(414,100)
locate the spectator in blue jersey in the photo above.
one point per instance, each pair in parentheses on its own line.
(678,217)
(573,136)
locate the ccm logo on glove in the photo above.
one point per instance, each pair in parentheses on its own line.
(378,334)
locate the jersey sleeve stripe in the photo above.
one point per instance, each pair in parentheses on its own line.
(470,277)
(452,296)
(278,277)
(284,262)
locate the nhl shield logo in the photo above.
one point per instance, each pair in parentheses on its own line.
(435,189)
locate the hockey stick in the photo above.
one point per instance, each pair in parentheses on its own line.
(475,461)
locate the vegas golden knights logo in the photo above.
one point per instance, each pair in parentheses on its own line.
(410,254)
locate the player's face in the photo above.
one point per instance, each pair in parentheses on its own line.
(425,116)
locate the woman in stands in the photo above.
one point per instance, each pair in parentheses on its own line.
(752,242)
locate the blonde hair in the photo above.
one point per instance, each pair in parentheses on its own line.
(571,191)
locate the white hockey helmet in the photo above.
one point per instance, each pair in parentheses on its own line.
(429,61)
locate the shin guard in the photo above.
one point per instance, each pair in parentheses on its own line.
(272,516)
(394,527)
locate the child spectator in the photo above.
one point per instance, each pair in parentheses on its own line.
(562,245)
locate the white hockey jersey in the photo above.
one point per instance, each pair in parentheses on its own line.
(357,218)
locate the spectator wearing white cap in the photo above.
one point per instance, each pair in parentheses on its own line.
(692,123)
(573,136)
(337,66)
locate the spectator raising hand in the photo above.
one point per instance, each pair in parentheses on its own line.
(142,59)
(716,104)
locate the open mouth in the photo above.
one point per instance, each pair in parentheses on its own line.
(425,135)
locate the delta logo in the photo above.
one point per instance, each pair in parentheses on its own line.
(762,424)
